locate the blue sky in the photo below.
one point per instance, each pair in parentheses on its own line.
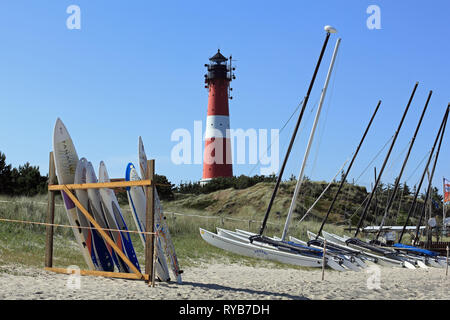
(135,68)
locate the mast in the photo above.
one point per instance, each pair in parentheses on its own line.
(443,208)
(397,182)
(329,30)
(363,215)
(431,180)
(348,170)
(416,194)
(311,138)
(375,211)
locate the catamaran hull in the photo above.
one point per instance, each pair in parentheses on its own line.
(378,259)
(254,251)
(354,256)
(349,261)
(407,257)
(330,262)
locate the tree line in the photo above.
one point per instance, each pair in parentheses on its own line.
(26,180)
(235,182)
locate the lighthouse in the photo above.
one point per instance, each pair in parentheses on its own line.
(217,159)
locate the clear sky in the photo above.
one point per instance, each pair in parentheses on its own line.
(135,68)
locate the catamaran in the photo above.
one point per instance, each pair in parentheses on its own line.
(363,246)
(261,246)
(399,251)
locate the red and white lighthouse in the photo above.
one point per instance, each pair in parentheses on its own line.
(217,159)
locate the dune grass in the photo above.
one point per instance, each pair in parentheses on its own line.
(25,243)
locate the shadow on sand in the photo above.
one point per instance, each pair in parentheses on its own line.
(213,286)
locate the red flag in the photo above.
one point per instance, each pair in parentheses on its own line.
(446,190)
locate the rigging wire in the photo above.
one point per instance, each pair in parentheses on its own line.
(360,206)
(356,211)
(279,133)
(396,160)
(258,163)
(400,202)
(374,158)
(322,127)
(327,110)
(420,163)
(302,197)
(323,192)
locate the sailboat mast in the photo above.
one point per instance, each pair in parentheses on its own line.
(363,215)
(375,211)
(443,208)
(348,170)
(310,140)
(329,30)
(431,180)
(413,206)
(397,182)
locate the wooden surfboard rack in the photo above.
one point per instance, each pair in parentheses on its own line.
(149,275)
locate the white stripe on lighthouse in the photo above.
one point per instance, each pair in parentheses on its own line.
(217,126)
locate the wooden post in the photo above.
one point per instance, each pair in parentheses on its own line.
(446,268)
(154,259)
(50,214)
(150,223)
(324,258)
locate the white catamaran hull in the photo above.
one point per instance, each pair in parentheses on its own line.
(254,251)
(349,261)
(354,254)
(418,260)
(330,261)
(379,259)
(242,238)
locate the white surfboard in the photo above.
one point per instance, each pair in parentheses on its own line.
(97,246)
(66,160)
(137,201)
(160,221)
(96,210)
(115,220)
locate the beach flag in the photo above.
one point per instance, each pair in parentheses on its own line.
(446,190)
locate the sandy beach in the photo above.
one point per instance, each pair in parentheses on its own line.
(233,281)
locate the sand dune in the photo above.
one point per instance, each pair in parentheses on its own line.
(233,281)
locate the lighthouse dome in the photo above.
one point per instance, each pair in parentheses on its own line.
(218,57)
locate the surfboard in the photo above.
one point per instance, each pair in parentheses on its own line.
(66,160)
(137,202)
(115,219)
(97,247)
(160,220)
(96,210)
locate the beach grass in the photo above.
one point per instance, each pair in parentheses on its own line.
(25,243)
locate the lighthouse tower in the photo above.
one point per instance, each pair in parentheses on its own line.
(217,160)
